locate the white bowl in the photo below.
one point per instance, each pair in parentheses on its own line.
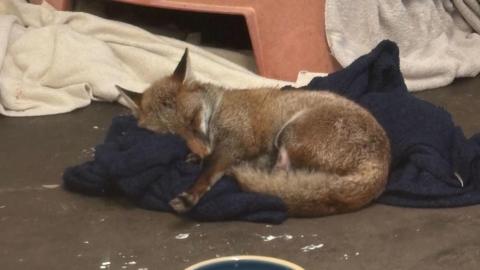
(245,262)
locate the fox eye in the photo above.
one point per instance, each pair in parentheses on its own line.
(193,122)
(167,104)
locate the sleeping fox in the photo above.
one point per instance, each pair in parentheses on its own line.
(320,153)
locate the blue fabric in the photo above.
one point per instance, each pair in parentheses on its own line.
(427,148)
(150,170)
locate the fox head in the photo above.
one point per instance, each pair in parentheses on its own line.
(174,104)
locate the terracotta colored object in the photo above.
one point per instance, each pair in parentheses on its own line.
(57,4)
(287,36)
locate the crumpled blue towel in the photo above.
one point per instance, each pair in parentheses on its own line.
(433,164)
(150,170)
(427,150)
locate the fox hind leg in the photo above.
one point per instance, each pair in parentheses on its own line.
(283,160)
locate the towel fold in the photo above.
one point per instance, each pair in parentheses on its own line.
(470,11)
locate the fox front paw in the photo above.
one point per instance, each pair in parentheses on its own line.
(183,202)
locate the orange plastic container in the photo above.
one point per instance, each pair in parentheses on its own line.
(287,36)
(57,4)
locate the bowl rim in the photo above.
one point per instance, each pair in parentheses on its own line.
(245,258)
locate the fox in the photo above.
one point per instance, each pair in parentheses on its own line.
(319,152)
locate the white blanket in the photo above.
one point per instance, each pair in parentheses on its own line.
(436,45)
(54,62)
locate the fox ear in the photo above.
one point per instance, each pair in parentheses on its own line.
(131,98)
(183,68)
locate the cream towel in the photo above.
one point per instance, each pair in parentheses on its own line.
(54,62)
(436,45)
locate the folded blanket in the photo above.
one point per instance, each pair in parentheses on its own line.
(54,62)
(428,150)
(436,44)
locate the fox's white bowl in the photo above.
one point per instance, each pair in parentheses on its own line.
(245,263)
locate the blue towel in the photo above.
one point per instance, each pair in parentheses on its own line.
(427,151)
(433,164)
(150,170)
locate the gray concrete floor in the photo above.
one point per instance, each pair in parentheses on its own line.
(43,226)
(46,227)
